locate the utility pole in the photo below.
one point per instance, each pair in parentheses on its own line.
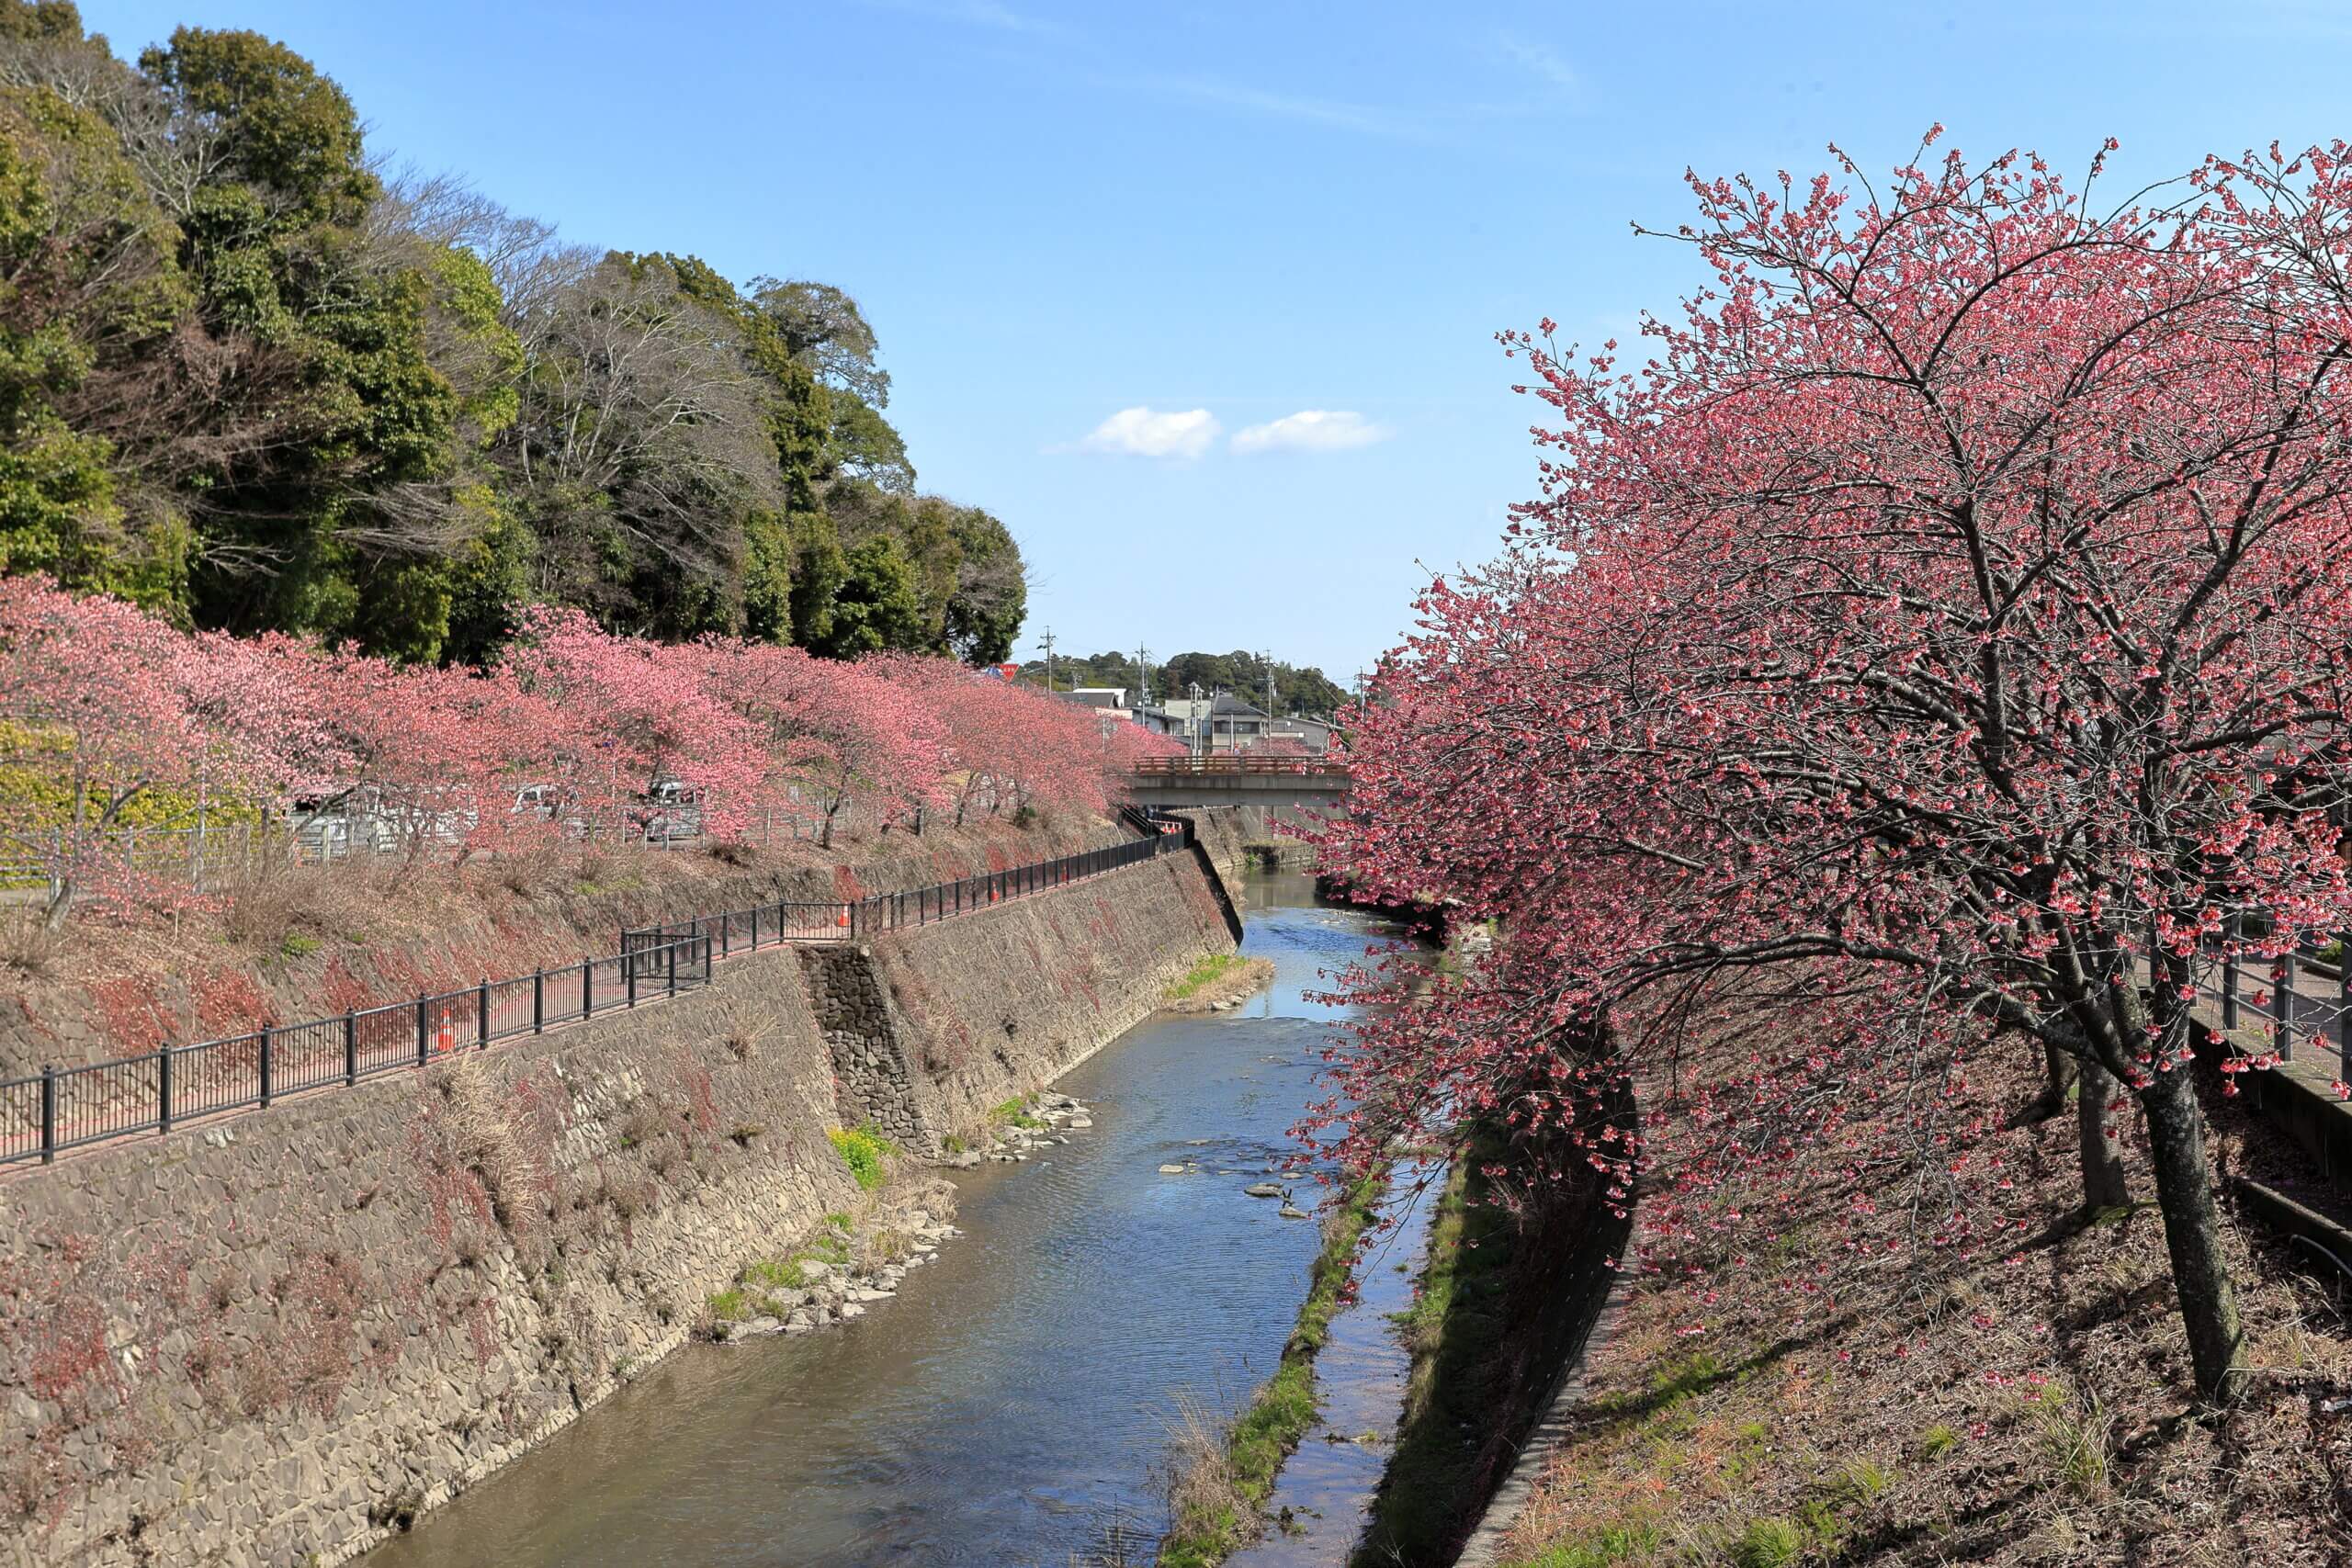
(1268,657)
(1143,679)
(1193,718)
(1047,639)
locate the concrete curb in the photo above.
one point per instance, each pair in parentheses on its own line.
(1484,1548)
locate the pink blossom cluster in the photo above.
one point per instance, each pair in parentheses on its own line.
(1947,629)
(105,706)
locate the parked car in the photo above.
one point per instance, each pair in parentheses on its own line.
(673,811)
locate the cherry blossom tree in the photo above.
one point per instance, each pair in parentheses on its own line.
(102,700)
(1009,746)
(832,729)
(644,716)
(1952,611)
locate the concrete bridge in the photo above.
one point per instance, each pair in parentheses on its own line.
(1278,784)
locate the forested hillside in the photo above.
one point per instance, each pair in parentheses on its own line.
(252,382)
(1299,689)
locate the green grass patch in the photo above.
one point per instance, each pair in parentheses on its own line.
(297,945)
(729,1306)
(865,1152)
(1206,1531)
(763,1278)
(774,1274)
(1208,970)
(1016,1113)
(1624,1540)
(1768,1543)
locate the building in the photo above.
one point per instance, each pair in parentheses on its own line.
(1102,699)
(1109,703)
(1215,726)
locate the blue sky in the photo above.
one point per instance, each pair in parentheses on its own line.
(1230,215)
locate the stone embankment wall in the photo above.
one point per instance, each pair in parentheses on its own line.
(1073,970)
(275,1339)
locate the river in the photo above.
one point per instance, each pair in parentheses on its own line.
(1012,1404)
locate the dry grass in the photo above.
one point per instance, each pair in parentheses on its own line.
(1201,1487)
(269,902)
(476,1112)
(1804,1375)
(29,949)
(1221,977)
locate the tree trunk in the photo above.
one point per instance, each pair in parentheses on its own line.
(61,901)
(2103,1183)
(2058,1078)
(2209,1299)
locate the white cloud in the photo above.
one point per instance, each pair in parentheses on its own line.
(1147,433)
(1535,57)
(1311,430)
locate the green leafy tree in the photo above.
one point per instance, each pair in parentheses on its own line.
(878,606)
(244,383)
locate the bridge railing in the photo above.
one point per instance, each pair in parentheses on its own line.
(1241,763)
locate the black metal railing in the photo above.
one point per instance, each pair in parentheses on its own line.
(768,925)
(67,1107)
(2294,998)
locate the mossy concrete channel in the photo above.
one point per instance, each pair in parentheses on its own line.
(1012,1401)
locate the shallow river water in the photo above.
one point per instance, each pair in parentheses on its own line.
(1012,1404)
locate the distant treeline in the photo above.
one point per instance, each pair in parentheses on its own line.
(1298,689)
(249,382)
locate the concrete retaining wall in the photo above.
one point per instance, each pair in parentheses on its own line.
(275,1339)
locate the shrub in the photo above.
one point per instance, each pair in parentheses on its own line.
(864,1150)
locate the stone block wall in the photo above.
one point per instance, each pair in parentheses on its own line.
(277,1338)
(1069,972)
(871,1085)
(273,1338)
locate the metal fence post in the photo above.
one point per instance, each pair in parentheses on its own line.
(629,972)
(265,1069)
(2229,979)
(351,1047)
(2282,1008)
(539,1000)
(726,932)
(48,1114)
(424,1034)
(587,987)
(2343,994)
(674,967)
(164,1089)
(481,1020)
